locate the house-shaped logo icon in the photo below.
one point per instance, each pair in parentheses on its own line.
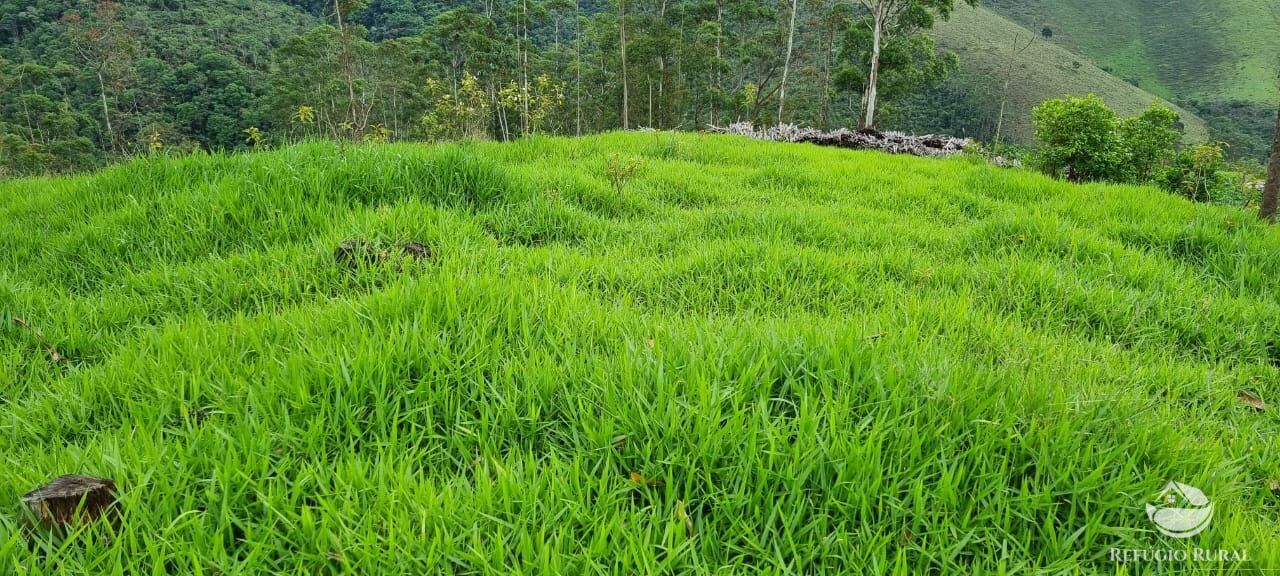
(1180,511)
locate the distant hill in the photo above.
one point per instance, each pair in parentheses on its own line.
(984,41)
(1179,49)
(1219,58)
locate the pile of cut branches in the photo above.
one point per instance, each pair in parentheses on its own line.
(931,145)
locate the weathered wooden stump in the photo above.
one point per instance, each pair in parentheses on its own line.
(355,252)
(417,251)
(71,499)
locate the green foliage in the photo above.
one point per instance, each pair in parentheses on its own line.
(621,170)
(1079,139)
(1245,128)
(1149,141)
(814,361)
(952,107)
(1199,174)
(1083,140)
(975,153)
(1045,70)
(907,58)
(1217,58)
(908,64)
(545,97)
(39,132)
(199,72)
(453,115)
(194,73)
(255,137)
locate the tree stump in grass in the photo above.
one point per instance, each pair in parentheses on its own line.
(354,253)
(417,251)
(71,499)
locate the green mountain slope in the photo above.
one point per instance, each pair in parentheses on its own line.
(748,358)
(1183,49)
(1219,59)
(984,41)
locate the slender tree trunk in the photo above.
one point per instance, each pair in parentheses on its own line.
(106,110)
(649,81)
(395,112)
(828,47)
(347,72)
(662,72)
(577,42)
(1271,193)
(662,87)
(524,71)
(1014,52)
(715,109)
(492,122)
(622,46)
(786,64)
(1004,91)
(869,96)
(1004,96)
(35,130)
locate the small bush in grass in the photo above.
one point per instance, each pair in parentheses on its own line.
(459,114)
(620,170)
(667,146)
(255,137)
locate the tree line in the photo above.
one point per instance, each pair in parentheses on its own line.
(101,82)
(87,82)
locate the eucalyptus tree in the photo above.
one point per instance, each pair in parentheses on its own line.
(1271,190)
(892,21)
(107,48)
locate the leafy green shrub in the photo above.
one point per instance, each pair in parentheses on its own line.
(975,153)
(1080,139)
(1198,174)
(450,116)
(1149,140)
(1083,140)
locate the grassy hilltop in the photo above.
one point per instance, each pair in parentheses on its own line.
(754,357)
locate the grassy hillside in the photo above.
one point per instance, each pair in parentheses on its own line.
(1185,49)
(1219,59)
(984,41)
(755,357)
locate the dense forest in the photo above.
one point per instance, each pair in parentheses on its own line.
(83,82)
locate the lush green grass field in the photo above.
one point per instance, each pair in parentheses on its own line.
(756,358)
